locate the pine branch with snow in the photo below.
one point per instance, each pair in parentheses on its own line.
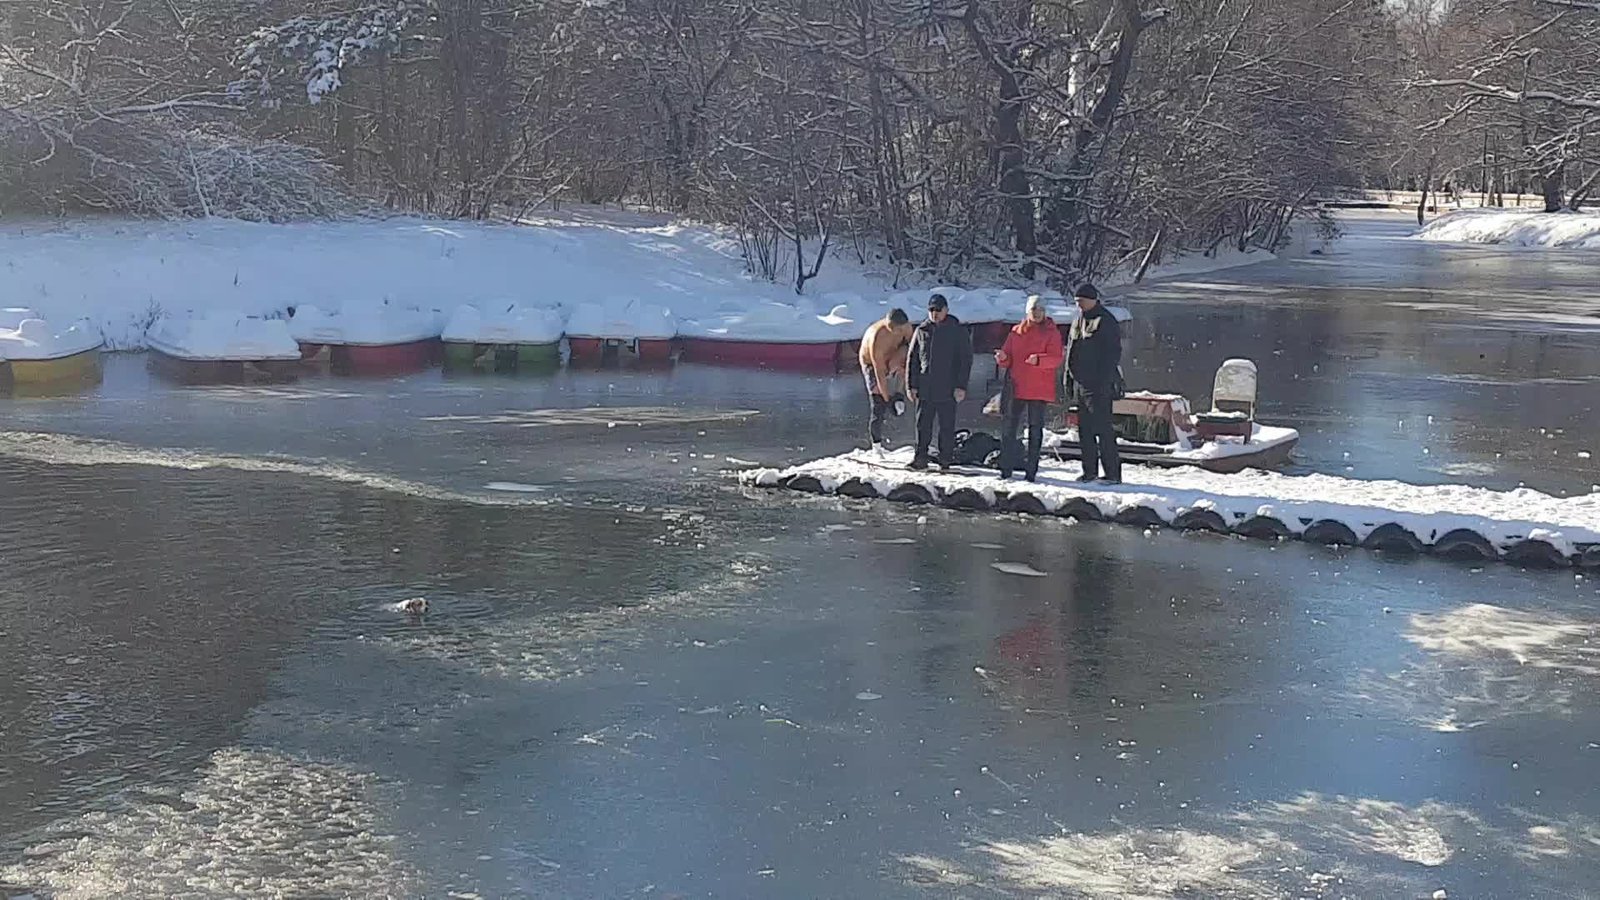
(317,52)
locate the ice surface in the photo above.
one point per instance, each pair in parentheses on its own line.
(369,324)
(34,339)
(224,335)
(505,323)
(1428,511)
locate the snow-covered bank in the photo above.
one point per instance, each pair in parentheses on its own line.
(1218,260)
(1380,513)
(126,276)
(1518,227)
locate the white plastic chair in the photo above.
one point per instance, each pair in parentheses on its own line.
(1234,389)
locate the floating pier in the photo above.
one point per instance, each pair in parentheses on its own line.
(1457,522)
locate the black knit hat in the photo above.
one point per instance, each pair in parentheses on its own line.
(937,301)
(1087,291)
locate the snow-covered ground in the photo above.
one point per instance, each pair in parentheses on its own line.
(1519,227)
(125,276)
(1430,512)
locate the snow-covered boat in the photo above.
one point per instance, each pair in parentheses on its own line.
(1159,429)
(771,335)
(368,339)
(990,313)
(630,329)
(504,337)
(224,347)
(36,354)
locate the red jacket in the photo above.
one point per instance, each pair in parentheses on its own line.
(1036,381)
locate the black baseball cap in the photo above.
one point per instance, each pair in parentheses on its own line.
(937,301)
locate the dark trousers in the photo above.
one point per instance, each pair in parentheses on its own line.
(944,412)
(880,412)
(1097,437)
(1012,452)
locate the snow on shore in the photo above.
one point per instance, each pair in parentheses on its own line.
(126,275)
(1298,501)
(1518,227)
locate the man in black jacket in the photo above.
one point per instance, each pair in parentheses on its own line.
(1094,360)
(936,379)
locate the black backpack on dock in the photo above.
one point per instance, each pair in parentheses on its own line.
(976,448)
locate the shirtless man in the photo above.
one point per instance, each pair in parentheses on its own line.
(883,355)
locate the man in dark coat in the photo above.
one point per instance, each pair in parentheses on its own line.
(1094,358)
(936,379)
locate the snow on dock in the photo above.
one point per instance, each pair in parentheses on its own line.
(1455,521)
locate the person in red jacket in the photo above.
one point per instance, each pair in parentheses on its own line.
(1033,356)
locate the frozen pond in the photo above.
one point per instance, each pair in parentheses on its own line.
(635,679)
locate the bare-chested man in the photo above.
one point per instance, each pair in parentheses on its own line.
(884,349)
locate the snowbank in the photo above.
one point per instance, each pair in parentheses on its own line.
(1196,263)
(126,275)
(357,324)
(775,323)
(1504,518)
(1519,227)
(1185,449)
(224,335)
(622,320)
(505,324)
(24,336)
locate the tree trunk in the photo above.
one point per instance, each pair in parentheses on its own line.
(1427,183)
(1581,195)
(1007,151)
(1150,254)
(1014,183)
(1555,193)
